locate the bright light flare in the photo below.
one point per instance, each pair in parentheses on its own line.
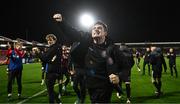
(87,20)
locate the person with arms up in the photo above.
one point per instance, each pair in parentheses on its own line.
(90,54)
(15,68)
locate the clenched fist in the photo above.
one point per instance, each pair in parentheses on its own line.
(114,78)
(57,17)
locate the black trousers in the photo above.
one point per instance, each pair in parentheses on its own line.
(79,86)
(50,82)
(11,76)
(173,67)
(66,73)
(100,95)
(42,75)
(144,67)
(138,62)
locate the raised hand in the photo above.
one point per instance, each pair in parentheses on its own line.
(57,17)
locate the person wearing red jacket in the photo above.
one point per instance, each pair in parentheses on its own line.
(15,67)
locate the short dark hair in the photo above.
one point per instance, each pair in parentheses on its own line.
(103,24)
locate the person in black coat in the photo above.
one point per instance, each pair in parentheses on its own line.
(90,55)
(171,55)
(138,59)
(124,61)
(146,61)
(52,58)
(43,64)
(157,61)
(78,76)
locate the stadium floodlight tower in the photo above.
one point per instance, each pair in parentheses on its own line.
(87,20)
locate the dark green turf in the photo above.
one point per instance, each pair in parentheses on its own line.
(141,87)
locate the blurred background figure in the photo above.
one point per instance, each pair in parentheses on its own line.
(15,68)
(64,67)
(157,60)
(138,59)
(43,63)
(146,61)
(171,55)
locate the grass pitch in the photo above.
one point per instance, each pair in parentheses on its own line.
(142,90)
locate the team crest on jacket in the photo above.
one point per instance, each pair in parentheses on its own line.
(91,62)
(103,54)
(110,61)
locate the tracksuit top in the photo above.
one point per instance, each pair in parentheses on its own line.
(15,60)
(52,58)
(83,51)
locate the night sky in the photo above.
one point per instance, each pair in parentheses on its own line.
(127,20)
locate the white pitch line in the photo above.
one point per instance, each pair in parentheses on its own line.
(25,100)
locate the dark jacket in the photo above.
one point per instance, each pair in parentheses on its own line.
(52,58)
(83,52)
(147,56)
(98,66)
(123,59)
(81,42)
(157,60)
(172,58)
(15,60)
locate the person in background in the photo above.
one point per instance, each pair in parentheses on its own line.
(157,60)
(64,61)
(125,61)
(138,59)
(146,61)
(43,68)
(15,68)
(171,55)
(78,76)
(52,58)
